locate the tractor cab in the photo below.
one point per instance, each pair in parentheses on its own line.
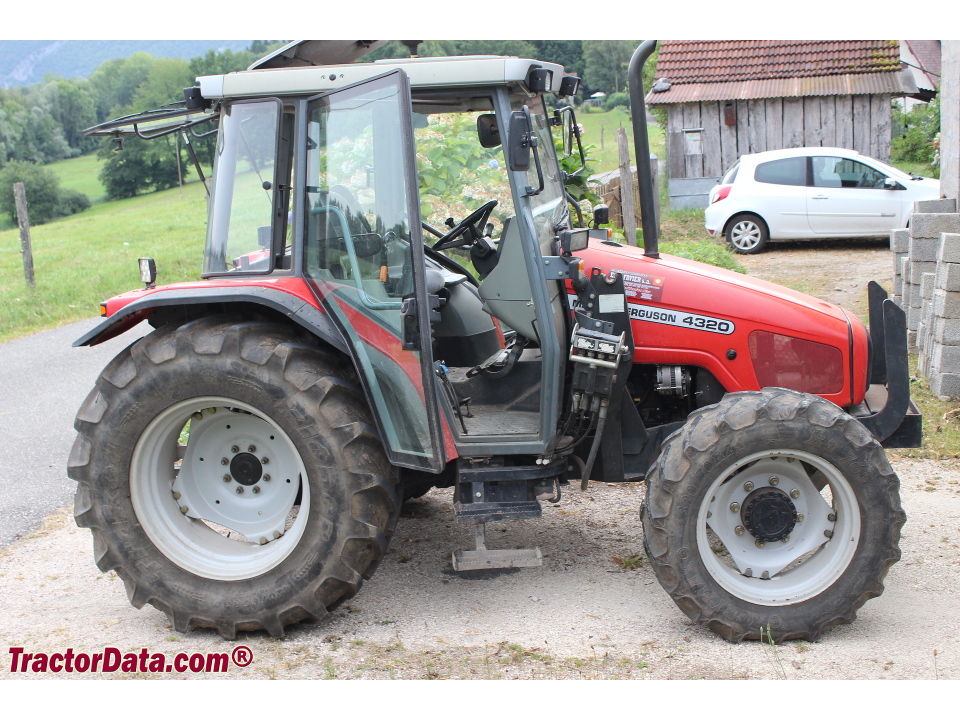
(421,203)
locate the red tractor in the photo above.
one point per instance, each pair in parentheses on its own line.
(242,467)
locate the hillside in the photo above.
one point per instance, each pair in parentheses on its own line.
(24,62)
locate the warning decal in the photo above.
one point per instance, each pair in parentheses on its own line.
(638,286)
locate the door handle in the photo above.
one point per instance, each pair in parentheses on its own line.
(819,197)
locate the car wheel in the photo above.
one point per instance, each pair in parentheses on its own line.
(747,234)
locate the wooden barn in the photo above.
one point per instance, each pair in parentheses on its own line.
(726,98)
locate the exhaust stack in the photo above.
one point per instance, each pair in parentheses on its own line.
(648,212)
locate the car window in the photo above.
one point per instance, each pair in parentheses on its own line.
(731,175)
(844,172)
(789,171)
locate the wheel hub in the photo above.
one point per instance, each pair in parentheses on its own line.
(769,514)
(246,469)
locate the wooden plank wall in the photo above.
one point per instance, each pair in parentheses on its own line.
(858,122)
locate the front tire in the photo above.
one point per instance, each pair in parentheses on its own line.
(772,509)
(232,477)
(747,234)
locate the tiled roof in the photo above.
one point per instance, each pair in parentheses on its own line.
(698,61)
(927,53)
(712,70)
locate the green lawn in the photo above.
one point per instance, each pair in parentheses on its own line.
(81,260)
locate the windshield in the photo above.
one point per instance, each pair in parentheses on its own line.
(241,205)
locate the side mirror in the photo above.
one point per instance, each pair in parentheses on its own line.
(567,120)
(488,131)
(520,132)
(891,184)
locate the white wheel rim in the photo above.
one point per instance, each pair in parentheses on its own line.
(745,235)
(172,506)
(818,549)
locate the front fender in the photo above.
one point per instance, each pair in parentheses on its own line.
(291,306)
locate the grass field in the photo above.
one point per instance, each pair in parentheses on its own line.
(81,260)
(600,130)
(80,173)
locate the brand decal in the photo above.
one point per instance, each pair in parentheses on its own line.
(648,313)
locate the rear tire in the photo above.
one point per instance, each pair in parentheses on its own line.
(747,234)
(271,509)
(775,483)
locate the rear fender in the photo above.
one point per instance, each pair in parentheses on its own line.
(290,306)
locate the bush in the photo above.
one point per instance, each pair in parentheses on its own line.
(71,202)
(704,251)
(45,199)
(620,99)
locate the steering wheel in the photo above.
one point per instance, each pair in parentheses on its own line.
(477,218)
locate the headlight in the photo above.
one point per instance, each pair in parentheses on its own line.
(789,362)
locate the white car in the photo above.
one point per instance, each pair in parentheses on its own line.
(811,192)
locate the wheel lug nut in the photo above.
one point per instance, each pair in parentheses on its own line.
(774,480)
(709,514)
(832,517)
(234,449)
(184,509)
(794,493)
(198,416)
(799,517)
(264,460)
(734,507)
(266,478)
(263,541)
(760,543)
(240,490)
(227,478)
(224,461)
(748,572)
(785,540)
(252,449)
(748,486)
(276,534)
(176,496)
(211,410)
(739,530)
(828,533)
(765,575)
(256,489)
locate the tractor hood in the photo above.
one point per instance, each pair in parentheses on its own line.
(691,313)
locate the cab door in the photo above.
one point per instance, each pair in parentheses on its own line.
(363,254)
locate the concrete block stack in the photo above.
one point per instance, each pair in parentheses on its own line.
(927,281)
(943,344)
(900,245)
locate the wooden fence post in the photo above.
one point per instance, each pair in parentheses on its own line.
(626,189)
(20,198)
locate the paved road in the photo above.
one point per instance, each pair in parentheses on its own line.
(43,380)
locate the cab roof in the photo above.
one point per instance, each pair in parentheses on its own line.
(442,72)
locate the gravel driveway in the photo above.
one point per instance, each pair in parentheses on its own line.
(581,615)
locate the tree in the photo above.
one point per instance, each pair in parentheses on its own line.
(605,63)
(45,199)
(568,53)
(139,167)
(116,81)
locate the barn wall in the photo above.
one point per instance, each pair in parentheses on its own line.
(858,122)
